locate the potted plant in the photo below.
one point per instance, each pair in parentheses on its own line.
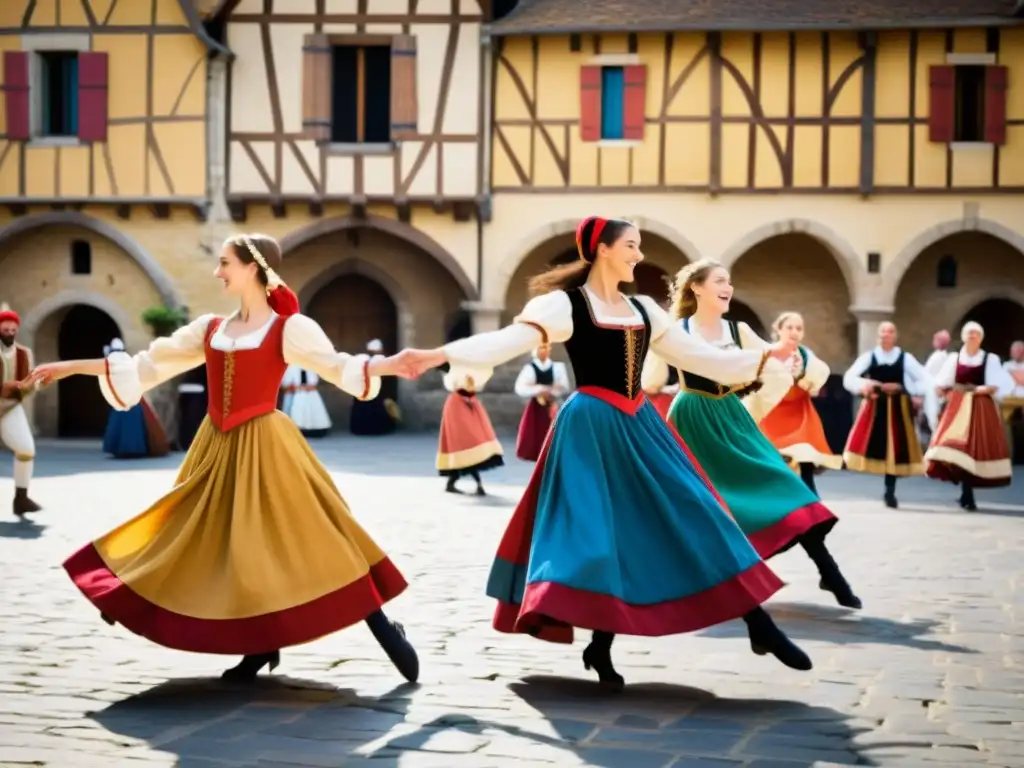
(163,321)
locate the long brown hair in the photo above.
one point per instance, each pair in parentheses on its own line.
(592,232)
(684,302)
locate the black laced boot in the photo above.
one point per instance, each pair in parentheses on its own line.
(479,485)
(391,636)
(807,475)
(890,492)
(450,487)
(831,577)
(967,497)
(598,656)
(250,666)
(767,638)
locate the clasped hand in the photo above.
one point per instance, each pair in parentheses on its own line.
(407,364)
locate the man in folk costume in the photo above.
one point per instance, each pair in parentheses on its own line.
(542,383)
(15,431)
(883,440)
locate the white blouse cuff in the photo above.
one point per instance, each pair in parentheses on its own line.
(356,380)
(120,383)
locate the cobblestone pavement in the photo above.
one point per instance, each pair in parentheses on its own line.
(931,671)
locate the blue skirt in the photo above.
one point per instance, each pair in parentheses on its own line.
(126,436)
(619,531)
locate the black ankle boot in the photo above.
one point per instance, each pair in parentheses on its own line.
(250,666)
(450,487)
(807,475)
(967,499)
(766,638)
(391,636)
(831,577)
(890,492)
(598,656)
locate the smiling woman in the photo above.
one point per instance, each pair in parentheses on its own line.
(214,566)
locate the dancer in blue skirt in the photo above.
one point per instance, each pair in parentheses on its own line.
(617,532)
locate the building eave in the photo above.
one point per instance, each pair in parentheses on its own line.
(198,28)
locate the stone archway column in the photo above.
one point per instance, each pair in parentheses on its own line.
(868,319)
(483,317)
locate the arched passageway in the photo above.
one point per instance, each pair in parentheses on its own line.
(82,333)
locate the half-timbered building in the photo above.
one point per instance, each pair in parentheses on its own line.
(854,161)
(354,136)
(103,178)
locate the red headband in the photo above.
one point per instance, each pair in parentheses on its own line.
(599,225)
(10,315)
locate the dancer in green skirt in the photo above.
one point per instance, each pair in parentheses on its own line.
(767,499)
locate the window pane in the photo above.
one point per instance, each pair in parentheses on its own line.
(377,128)
(71,95)
(613,86)
(345,95)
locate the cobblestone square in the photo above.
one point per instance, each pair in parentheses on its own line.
(930,672)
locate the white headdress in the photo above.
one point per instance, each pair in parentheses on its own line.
(376,346)
(116,345)
(971,326)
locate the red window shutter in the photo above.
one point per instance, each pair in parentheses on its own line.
(634,102)
(16,92)
(92,96)
(995,104)
(590,103)
(941,103)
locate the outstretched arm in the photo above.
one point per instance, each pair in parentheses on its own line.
(124,379)
(545,319)
(307,346)
(726,366)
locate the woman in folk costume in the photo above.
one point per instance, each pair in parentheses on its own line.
(542,382)
(379,416)
(134,433)
(768,501)
(969,447)
(302,402)
(883,440)
(467,444)
(617,531)
(254,549)
(794,426)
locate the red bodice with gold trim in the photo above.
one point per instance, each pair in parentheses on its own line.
(971,374)
(244,384)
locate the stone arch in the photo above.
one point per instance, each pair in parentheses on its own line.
(893,274)
(392,227)
(43,408)
(523,248)
(161,280)
(846,257)
(356,266)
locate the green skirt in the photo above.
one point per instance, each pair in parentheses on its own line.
(765,497)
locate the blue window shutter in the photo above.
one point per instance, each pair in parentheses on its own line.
(71,95)
(613,87)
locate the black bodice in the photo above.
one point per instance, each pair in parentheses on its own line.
(606,356)
(544,378)
(891,373)
(673,376)
(695,383)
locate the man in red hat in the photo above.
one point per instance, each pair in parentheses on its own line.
(15,433)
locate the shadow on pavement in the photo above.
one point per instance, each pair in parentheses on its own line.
(832,624)
(21,529)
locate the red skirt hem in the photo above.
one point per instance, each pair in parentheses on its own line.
(255,634)
(780,536)
(550,611)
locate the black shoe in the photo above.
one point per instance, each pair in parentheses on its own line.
(480,491)
(391,636)
(599,658)
(767,638)
(450,487)
(832,579)
(967,500)
(250,666)
(890,501)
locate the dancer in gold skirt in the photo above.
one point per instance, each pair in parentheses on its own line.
(253,549)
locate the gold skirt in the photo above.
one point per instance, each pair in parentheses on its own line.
(253,550)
